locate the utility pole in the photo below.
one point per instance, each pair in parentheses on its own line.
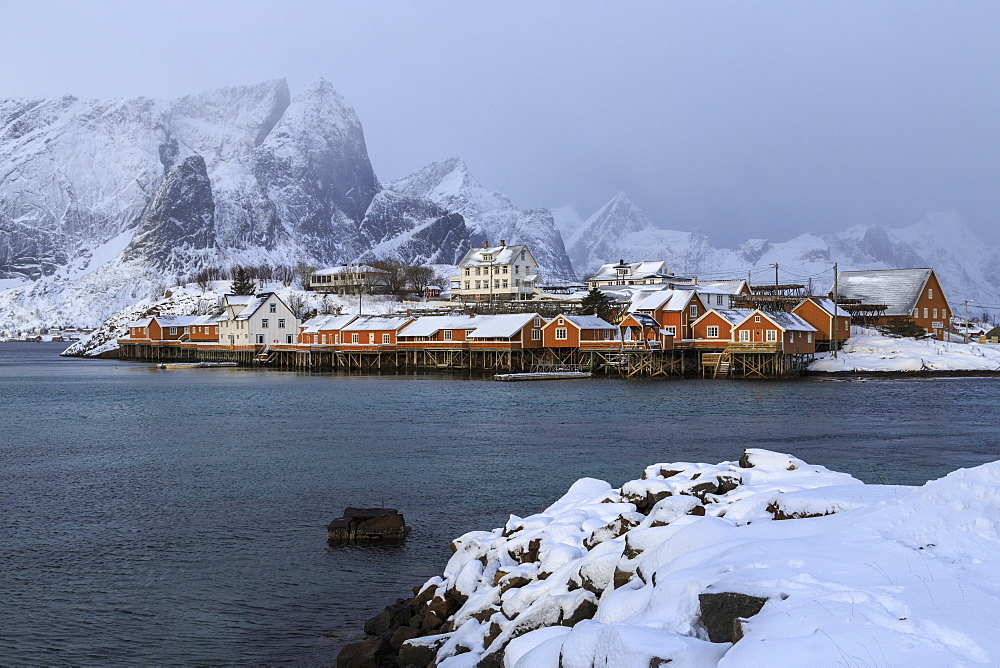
(966,305)
(836,324)
(775,278)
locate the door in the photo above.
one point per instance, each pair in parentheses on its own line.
(758,336)
(260,338)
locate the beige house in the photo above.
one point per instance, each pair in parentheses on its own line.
(495,273)
(350,279)
(256,320)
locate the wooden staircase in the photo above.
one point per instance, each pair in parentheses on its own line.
(722,368)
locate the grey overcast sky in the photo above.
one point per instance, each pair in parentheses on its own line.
(743,119)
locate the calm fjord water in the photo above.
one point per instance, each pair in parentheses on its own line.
(178,516)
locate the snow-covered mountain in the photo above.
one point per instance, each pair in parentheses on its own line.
(967,267)
(489,216)
(102,203)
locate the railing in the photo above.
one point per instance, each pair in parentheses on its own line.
(754,347)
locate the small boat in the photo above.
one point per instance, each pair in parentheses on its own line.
(542,375)
(193,365)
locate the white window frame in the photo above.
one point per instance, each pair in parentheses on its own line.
(809,337)
(712,331)
(756,318)
(386,338)
(263,323)
(693,310)
(561,334)
(930,293)
(447,335)
(744,336)
(671,330)
(173,330)
(772,336)
(354,337)
(536,335)
(281,323)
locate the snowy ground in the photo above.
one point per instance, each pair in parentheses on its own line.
(851,575)
(867,351)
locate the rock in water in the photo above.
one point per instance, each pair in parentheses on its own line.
(367,524)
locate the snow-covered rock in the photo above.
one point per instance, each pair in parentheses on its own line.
(841,573)
(886,353)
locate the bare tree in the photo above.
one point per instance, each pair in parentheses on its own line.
(284,274)
(420,278)
(395,276)
(297,304)
(303,270)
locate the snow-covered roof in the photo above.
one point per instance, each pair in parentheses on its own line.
(330,322)
(667,300)
(237,300)
(428,325)
(501,255)
(636,270)
(898,289)
(254,305)
(827,305)
(371,323)
(732,287)
(589,322)
(205,320)
(786,321)
(176,320)
(143,322)
(504,325)
(348,269)
(644,319)
(733,316)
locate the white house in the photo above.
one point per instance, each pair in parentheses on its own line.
(495,273)
(259,320)
(634,273)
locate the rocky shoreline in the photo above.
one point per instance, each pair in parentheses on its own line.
(693,563)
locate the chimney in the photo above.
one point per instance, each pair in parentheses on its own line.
(503,242)
(485,245)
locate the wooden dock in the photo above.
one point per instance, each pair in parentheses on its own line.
(732,362)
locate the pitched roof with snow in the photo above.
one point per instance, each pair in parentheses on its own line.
(644,319)
(899,289)
(636,270)
(330,322)
(143,322)
(786,321)
(504,325)
(428,325)
(206,320)
(176,320)
(501,255)
(828,306)
(371,323)
(589,322)
(732,287)
(733,316)
(255,304)
(667,300)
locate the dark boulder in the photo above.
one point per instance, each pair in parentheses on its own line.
(719,612)
(367,524)
(374,653)
(394,616)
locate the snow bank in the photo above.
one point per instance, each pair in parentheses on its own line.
(883,353)
(836,573)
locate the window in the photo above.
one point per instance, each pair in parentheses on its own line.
(712,332)
(671,330)
(536,335)
(809,337)
(487,257)
(744,335)
(772,335)
(263,323)
(930,293)
(173,330)
(371,337)
(496,283)
(354,338)
(756,318)
(469,332)
(505,269)
(447,335)
(468,272)
(274,308)
(561,321)
(478,284)
(517,269)
(281,323)
(505,282)
(323,337)
(288,338)
(916,313)
(385,339)
(537,322)
(718,300)
(467,283)
(693,311)
(522,256)
(561,333)
(478,271)
(925,311)
(935,314)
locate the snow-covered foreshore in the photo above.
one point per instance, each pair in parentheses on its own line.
(768,560)
(870,353)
